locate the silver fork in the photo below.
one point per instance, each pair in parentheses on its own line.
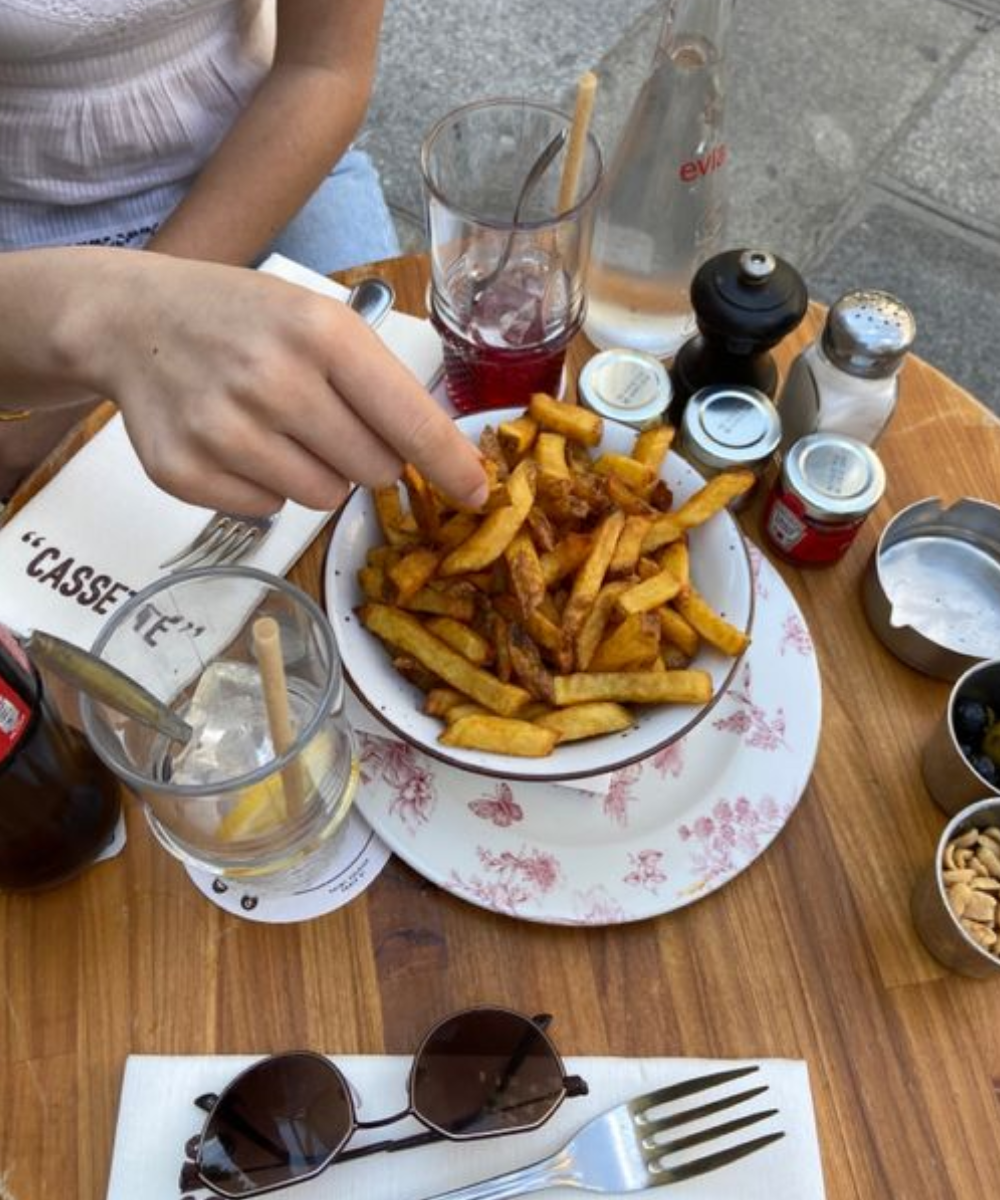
(228,537)
(225,539)
(621,1150)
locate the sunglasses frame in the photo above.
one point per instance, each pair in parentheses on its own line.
(572,1085)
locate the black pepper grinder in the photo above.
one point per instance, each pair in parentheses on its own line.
(745,302)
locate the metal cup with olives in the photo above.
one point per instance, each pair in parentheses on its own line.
(961,759)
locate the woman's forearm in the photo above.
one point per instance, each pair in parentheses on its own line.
(296,127)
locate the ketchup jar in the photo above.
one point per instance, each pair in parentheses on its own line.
(59,805)
(829,484)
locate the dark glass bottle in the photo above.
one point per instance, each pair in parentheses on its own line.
(58,803)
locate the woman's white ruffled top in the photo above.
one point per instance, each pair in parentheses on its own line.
(109,108)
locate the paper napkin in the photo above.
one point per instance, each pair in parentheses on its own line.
(99,530)
(156,1117)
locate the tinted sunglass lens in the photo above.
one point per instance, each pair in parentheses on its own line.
(486,1071)
(282,1120)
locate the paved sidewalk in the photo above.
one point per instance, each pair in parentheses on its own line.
(865,137)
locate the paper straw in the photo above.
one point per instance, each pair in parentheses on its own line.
(267,646)
(577,139)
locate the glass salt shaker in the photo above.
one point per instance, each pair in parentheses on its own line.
(847,381)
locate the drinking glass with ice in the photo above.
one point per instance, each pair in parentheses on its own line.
(231,801)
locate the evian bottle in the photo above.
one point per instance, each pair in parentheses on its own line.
(662,210)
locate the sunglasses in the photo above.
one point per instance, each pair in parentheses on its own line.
(483,1072)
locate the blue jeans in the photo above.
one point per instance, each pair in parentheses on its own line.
(345,222)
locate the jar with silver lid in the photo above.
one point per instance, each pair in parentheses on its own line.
(847,380)
(828,485)
(729,427)
(628,386)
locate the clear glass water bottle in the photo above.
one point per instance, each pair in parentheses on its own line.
(662,210)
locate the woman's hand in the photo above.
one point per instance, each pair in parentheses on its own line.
(239,390)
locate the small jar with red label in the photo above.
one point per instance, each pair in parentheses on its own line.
(829,483)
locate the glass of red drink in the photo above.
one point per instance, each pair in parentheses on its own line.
(505,331)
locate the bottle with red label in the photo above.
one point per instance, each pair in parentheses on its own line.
(663,203)
(58,804)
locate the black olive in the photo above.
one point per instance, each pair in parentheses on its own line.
(970,719)
(986,767)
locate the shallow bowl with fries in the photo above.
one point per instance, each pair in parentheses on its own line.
(505,735)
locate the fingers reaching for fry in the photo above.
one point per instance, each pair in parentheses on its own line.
(568,599)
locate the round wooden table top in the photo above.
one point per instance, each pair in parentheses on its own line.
(809,953)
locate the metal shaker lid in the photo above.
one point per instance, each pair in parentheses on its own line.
(626,385)
(868,333)
(834,475)
(730,426)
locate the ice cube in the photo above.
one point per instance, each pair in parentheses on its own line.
(229,719)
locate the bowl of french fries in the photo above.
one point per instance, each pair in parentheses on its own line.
(591,614)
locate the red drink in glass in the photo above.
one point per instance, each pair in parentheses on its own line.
(502,346)
(480,376)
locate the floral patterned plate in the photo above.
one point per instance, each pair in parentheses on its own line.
(667,831)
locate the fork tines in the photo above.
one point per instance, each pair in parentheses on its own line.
(654,1150)
(224,540)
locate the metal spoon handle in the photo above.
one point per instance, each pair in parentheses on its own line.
(372,299)
(90,674)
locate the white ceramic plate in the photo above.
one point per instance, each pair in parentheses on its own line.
(666,832)
(720,570)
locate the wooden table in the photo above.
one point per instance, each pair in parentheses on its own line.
(808,954)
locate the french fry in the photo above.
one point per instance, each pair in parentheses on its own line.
(632,646)
(651,446)
(574,423)
(465,709)
(441,603)
(637,687)
(500,735)
(565,558)
(635,475)
(649,594)
(423,502)
(517,437)
(498,529)
(402,629)
(386,556)
(592,629)
(672,657)
(677,561)
(397,527)
(412,571)
(590,576)
(586,720)
(543,532)
(462,638)
(439,700)
(456,529)
(550,454)
(661,498)
(715,629)
(526,663)
(626,555)
(663,530)
(489,444)
(525,570)
(620,495)
(415,673)
(679,631)
(372,581)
